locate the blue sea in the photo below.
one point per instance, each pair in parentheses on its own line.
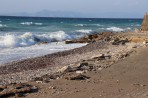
(19,36)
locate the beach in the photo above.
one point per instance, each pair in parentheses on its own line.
(112,65)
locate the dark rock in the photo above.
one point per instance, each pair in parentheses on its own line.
(19,95)
(1,89)
(119,41)
(106,36)
(17,89)
(78,77)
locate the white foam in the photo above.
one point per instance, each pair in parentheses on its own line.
(84,31)
(38,23)
(13,54)
(86,25)
(31,23)
(1,25)
(26,23)
(28,39)
(116,29)
(81,25)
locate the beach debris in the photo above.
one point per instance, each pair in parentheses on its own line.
(96,56)
(46,78)
(82,64)
(102,57)
(77,77)
(65,69)
(16,89)
(139,85)
(120,41)
(80,72)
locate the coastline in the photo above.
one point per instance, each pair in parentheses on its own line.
(113,46)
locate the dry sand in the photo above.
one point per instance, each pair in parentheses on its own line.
(125,79)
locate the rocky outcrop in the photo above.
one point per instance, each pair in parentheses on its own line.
(92,38)
(144,26)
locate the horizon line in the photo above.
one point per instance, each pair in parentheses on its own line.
(69,17)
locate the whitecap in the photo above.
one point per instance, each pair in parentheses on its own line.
(84,31)
(116,29)
(38,23)
(81,25)
(59,36)
(1,25)
(26,23)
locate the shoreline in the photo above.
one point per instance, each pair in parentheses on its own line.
(101,41)
(113,47)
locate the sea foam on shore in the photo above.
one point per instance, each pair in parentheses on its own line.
(14,54)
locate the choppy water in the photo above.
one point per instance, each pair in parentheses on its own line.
(24,32)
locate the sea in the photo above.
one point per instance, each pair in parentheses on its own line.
(22,37)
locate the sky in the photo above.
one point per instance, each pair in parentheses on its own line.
(89,8)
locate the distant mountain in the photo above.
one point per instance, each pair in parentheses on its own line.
(47,13)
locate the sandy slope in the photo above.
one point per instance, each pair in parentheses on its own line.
(124,79)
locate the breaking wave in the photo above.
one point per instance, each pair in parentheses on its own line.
(117,29)
(28,39)
(84,31)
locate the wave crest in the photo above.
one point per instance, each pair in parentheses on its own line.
(117,29)
(28,39)
(84,31)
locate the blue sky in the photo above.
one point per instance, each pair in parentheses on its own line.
(89,8)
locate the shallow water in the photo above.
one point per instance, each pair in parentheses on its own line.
(14,54)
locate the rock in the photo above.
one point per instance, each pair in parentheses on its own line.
(39,81)
(19,95)
(136,39)
(47,78)
(1,89)
(17,89)
(65,68)
(132,45)
(83,66)
(79,72)
(100,68)
(120,41)
(106,36)
(145,42)
(101,57)
(69,41)
(97,56)
(78,77)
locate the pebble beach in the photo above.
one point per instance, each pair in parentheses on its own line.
(83,70)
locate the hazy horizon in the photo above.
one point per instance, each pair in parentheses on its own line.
(75,8)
